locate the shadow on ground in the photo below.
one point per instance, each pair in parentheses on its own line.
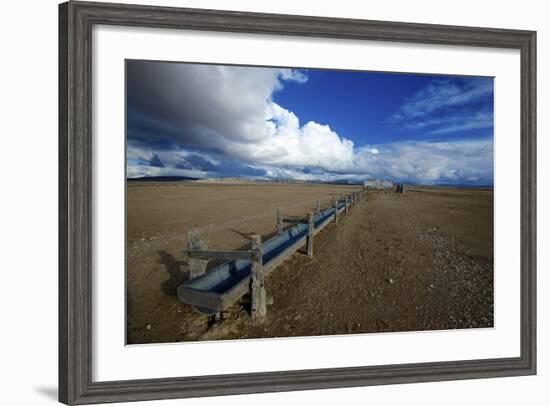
(176,274)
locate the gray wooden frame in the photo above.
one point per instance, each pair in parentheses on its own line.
(76,20)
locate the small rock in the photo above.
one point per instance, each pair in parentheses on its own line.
(148,327)
(391,281)
(297,317)
(431,286)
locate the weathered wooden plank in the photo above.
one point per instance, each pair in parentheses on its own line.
(280,226)
(247,300)
(310,234)
(258,308)
(197,266)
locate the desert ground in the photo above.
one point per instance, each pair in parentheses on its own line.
(422,260)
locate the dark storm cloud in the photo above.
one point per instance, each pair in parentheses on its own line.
(200,163)
(156,162)
(223,167)
(198,105)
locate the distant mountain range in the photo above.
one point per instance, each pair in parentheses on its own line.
(161,179)
(278,180)
(460,185)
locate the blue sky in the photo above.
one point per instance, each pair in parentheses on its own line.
(231,121)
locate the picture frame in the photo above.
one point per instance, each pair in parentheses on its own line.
(76,19)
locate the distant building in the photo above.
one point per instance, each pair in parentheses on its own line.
(378,184)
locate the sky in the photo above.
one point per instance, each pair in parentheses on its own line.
(219,121)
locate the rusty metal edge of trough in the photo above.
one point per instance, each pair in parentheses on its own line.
(203,300)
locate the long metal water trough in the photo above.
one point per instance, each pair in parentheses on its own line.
(219,288)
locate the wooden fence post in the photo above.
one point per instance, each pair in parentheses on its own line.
(346,204)
(335,204)
(310,231)
(196,266)
(258,308)
(279,220)
(318,206)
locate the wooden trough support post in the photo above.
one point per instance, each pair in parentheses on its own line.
(279,220)
(310,231)
(258,308)
(335,204)
(196,266)
(318,206)
(346,204)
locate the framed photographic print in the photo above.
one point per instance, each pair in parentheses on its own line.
(257,202)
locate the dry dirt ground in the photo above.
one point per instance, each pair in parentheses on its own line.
(422,260)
